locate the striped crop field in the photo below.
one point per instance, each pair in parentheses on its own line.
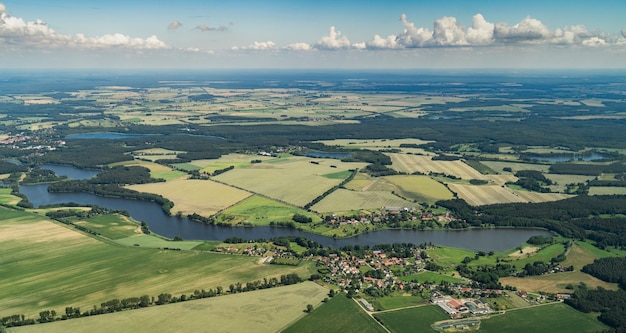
(343,200)
(424,164)
(204,197)
(484,195)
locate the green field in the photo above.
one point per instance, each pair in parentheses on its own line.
(112,226)
(266,310)
(398,300)
(607,190)
(428,276)
(154,241)
(339,314)
(555,317)
(260,210)
(416,319)
(46,265)
(6,197)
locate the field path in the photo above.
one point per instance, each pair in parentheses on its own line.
(371,314)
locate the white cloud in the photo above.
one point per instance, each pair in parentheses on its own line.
(594,41)
(3,8)
(299,47)
(174,25)
(412,36)
(528,30)
(257,46)
(390,42)
(18,33)
(623,32)
(481,31)
(334,41)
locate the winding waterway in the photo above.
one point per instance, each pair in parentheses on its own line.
(170,226)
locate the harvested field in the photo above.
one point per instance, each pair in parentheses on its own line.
(266,310)
(484,195)
(157,171)
(515,166)
(424,164)
(541,197)
(204,197)
(606,190)
(343,200)
(556,283)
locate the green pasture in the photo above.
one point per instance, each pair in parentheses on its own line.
(554,317)
(515,166)
(339,314)
(510,301)
(544,254)
(7,198)
(398,300)
(155,241)
(267,310)
(113,226)
(449,257)
(343,200)
(417,319)
(46,265)
(260,210)
(428,276)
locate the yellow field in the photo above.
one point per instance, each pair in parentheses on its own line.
(343,200)
(267,310)
(156,154)
(293,180)
(555,283)
(541,197)
(484,195)
(377,144)
(498,166)
(204,197)
(424,164)
(236,160)
(605,190)
(157,171)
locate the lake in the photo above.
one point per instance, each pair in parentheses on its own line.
(567,157)
(171,226)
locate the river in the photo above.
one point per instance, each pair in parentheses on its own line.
(171,226)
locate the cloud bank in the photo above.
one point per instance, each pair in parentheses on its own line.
(15,33)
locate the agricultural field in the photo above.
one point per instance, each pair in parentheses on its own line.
(343,200)
(285,178)
(418,188)
(429,276)
(540,197)
(7,198)
(236,160)
(154,241)
(398,300)
(556,283)
(424,164)
(204,197)
(553,317)
(112,226)
(339,314)
(267,310)
(516,166)
(46,265)
(381,144)
(157,171)
(562,180)
(607,190)
(154,154)
(417,319)
(484,194)
(260,210)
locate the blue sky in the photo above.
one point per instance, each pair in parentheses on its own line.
(312,34)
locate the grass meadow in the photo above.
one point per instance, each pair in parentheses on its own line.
(45,265)
(204,197)
(429,276)
(339,314)
(554,317)
(418,319)
(7,198)
(420,188)
(266,310)
(157,171)
(113,226)
(260,210)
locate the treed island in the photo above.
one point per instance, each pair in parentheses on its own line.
(313,201)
